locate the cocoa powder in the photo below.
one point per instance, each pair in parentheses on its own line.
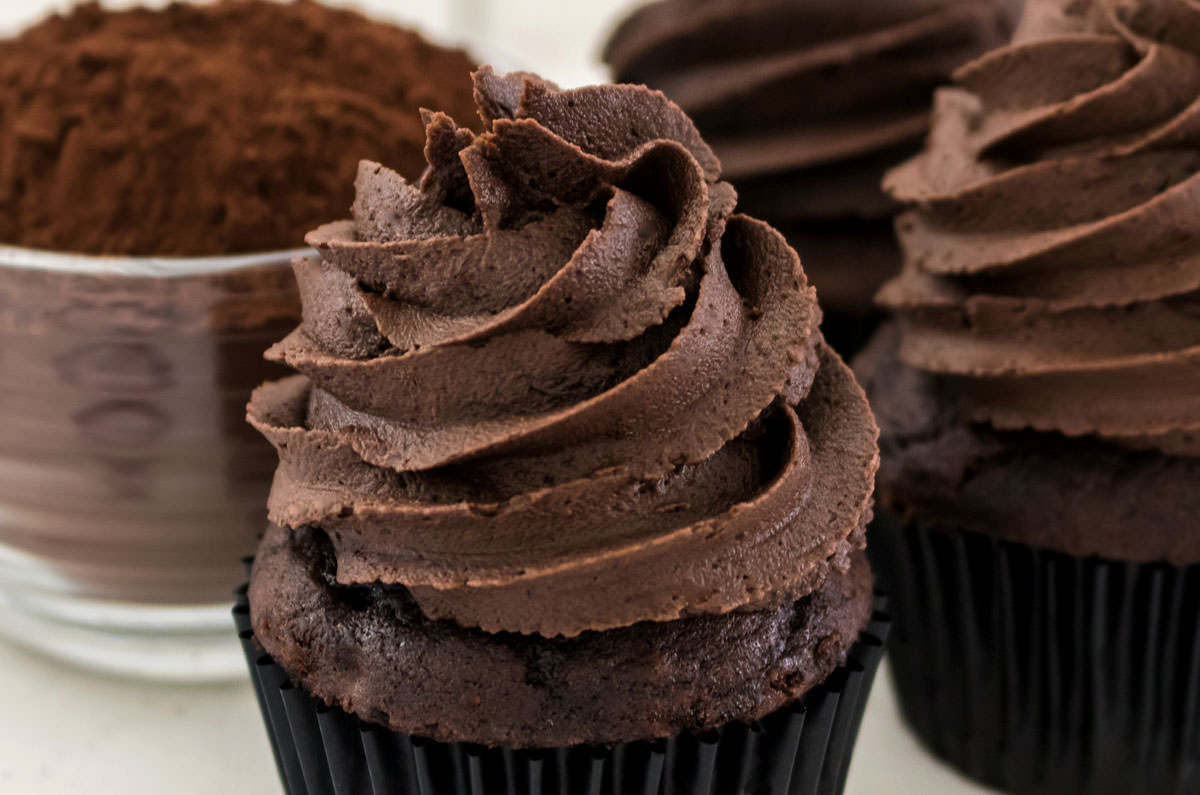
(207,129)
(126,466)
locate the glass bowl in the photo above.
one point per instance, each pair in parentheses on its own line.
(130,484)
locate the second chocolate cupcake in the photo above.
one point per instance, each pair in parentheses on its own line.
(571,494)
(1040,404)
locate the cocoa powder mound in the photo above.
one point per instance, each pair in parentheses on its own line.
(207,129)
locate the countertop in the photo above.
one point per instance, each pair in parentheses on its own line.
(64,731)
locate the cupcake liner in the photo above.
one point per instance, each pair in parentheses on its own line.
(1041,673)
(802,749)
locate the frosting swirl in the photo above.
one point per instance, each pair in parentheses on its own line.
(807,104)
(558,385)
(1052,245)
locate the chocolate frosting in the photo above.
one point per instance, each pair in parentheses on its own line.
(1052,273)
(1048,383)
(559,386)
(807,103)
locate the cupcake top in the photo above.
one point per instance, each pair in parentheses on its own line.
(558,386)
(1052,248)
(1049,306)
(807,103)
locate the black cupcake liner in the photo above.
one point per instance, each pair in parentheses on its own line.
(1040,673)
(802,749)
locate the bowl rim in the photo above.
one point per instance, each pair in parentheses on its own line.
(147,266)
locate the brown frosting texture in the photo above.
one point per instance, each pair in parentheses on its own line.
(807,104)
(1052,241)
(558,386)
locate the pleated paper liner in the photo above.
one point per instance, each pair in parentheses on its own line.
(1040,673)
(802,749)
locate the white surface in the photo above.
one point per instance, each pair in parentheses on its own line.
(66,731)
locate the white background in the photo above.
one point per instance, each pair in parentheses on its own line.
(66,731)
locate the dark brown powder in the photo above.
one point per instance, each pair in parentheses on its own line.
(214,129)
(224,128)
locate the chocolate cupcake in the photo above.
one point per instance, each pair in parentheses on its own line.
(572,494)
(807,103)
(1039,408)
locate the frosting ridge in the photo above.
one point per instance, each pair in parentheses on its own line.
(559,386)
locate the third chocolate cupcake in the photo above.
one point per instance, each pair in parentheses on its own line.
(1039,406)
(807,103)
